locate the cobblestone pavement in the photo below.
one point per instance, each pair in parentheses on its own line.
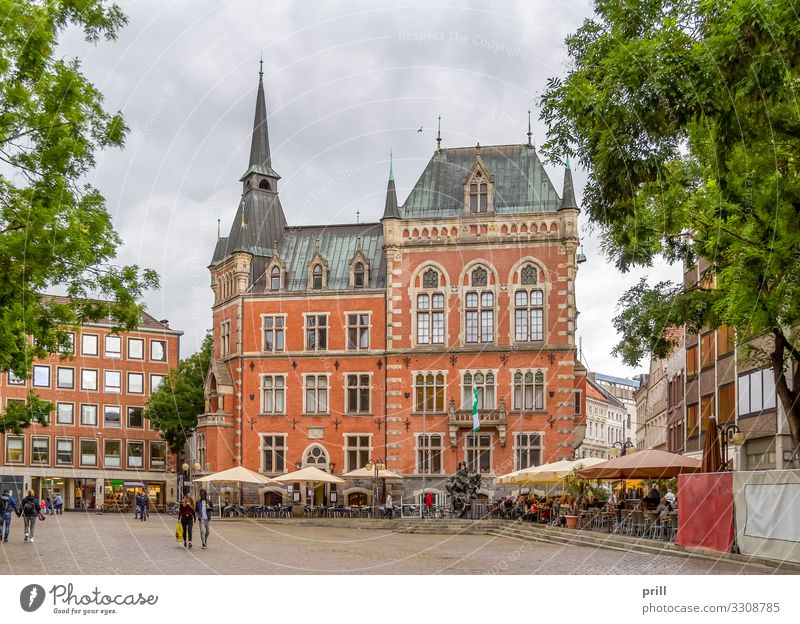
(77,543)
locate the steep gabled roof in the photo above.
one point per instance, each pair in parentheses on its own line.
(520,182)
(337,245)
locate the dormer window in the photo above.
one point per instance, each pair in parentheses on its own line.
(275,278)
(316,277)
(358,275)
(478,187)
(478,194)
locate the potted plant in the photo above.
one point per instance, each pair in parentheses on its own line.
(579,489)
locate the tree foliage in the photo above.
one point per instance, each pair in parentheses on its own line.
(55,231)
(22,414)
(173,408)
(685,114)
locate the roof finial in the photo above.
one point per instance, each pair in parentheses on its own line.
(219,223)
(439,136)
(530,144)
(391,169)
(358,215)
(261,65)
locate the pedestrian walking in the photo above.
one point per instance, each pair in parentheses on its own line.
(187,515)
(204,517)
(7,505)
(58,503)
(31,510)
(388,507)
(137,509)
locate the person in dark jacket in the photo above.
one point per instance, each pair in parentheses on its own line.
(31,508)
(187,515)
(7,505)
(203,511)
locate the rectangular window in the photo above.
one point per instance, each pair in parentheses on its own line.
(358,391)
(158,456)
(64,451)
(479,452)
(136,383)
(112,416)
(40,450)
(113,346)
(135,455)
(88,452)
(135,418)
(65,378)
(756,392)
(69,346)
(578,404)
(88,379)
(273,394)
(112,453)
(65,414)
(692,412)
(707,406)
(528,450)
(430,318)
(158,351)
(727,403)
(13,380)
(691,361)
(429,454)
(155,382)
(528,316)
(725,340)
(41,376)
(89,344)
(225,338)
(356,451)
(273,453)
(528,390)
(274,333)
(112,381)
(357,331)
(707,354)
(15,449)
(317,332)
(135,348)
(484,384)
(201,450)
(316,393)
(428,392)
(89,415)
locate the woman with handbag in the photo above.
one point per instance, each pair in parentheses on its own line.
(30,512)
(187,515)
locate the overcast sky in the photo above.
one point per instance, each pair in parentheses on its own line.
(345,82)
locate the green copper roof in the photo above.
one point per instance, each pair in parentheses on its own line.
(520,182)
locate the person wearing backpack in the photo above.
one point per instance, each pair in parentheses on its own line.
(31,510)
(7,505)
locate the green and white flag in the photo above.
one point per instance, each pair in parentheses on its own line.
(476,421)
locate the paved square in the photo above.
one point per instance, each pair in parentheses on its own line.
(78,543)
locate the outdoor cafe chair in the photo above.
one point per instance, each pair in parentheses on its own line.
(637,526)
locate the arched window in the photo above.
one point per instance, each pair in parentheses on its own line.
(529,390)
(483,385)
(430,279)
(316,277)
(316,456)
(264,184)
(479,277)
(275,278)
(527,276)
(358,275)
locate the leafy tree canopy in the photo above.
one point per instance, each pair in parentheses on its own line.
(22,414)
(173,408)
(55,232)
(685,115)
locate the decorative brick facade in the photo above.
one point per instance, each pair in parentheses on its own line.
(337,344)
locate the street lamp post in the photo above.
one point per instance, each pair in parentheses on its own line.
(375,466)
(622,449)
(187,471)
(729,433)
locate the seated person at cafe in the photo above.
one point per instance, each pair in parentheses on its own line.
(652,499)
(663,509)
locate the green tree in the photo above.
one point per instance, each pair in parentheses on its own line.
(173,408)
(685,115)
(21,414)
(55,232)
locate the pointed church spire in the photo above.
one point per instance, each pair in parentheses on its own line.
(260,158)
(568,195)
(391,210)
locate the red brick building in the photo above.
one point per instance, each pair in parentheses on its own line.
(97,447)
(340,343)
